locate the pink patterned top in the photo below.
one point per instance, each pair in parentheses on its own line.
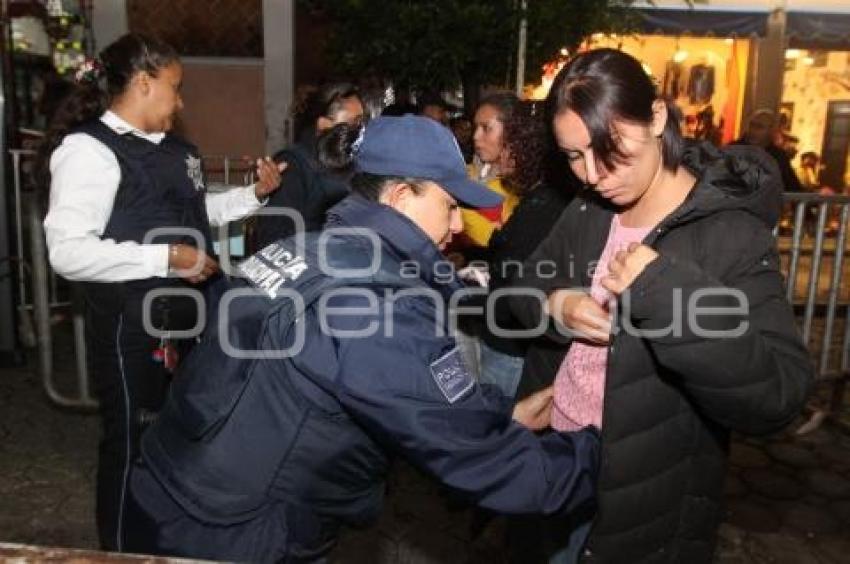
(580,382)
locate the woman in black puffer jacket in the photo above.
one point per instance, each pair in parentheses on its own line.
(703,341)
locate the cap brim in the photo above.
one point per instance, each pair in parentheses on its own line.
(472,194)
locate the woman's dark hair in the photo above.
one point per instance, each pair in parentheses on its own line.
(505,103)
(325,101)
(371,186)
(117,64)
(604,85)
(334,146)
(524,136)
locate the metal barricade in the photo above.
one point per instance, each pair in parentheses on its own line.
(41,293)
(813,243)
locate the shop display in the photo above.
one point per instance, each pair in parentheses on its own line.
(674,80)
(701,84)
(49,40)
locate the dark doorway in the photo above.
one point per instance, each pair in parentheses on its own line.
(836,144)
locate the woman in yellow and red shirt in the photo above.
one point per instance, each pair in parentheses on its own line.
(493,161)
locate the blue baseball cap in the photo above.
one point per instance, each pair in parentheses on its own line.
(419,147)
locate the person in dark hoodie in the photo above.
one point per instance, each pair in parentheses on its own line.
(663,289)
(310,187)
(329,357)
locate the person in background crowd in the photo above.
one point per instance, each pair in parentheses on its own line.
(761,131)
(117,175)
(524,138)
(789,144)
(461,126)
(311,186)
(809,171)
(265,458)
(402,106)
(666,311)
(432,105)
(809,174)
(492,161)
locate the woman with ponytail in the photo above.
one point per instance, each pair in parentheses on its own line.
(128,214)
(666,311)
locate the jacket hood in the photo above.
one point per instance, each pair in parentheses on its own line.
(737,177)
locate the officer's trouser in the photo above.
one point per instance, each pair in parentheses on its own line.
(130,384)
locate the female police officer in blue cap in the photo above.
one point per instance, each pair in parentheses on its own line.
(330,357)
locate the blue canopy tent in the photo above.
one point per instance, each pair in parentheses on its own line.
(810,24)
(818,24)
(718,19)
(818,30)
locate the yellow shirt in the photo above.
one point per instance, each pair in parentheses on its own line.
(478,225)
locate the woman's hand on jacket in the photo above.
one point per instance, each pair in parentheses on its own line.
(190,264)
(581,314)
(626,266)
(268,177)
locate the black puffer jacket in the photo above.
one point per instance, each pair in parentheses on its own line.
(671,399)
(306,187)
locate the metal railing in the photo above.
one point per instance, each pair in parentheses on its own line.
(40,292)
(813,241)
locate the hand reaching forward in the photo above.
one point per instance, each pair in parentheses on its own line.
(268,177)
(535,411)
(626,266)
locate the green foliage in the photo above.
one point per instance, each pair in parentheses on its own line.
(438,43)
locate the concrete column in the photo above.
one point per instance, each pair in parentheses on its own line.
(768,64)
(109,22)
(279,55)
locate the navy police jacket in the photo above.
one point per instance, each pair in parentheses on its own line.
(327,359)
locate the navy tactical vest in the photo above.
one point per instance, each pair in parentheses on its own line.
(161,186)
(238,433)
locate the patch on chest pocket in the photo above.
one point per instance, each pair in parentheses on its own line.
(451,375)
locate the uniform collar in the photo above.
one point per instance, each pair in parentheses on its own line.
(398,233)
(121,127)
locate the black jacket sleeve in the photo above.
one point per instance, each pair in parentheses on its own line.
(292,193)
(725,329)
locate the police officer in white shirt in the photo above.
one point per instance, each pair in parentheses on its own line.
(118,177)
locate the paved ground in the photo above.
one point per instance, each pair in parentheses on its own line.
(789,497)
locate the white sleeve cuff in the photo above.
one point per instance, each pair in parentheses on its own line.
(232,205)
(253,195)
(156,257)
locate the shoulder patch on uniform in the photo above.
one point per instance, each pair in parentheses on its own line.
(451,375)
